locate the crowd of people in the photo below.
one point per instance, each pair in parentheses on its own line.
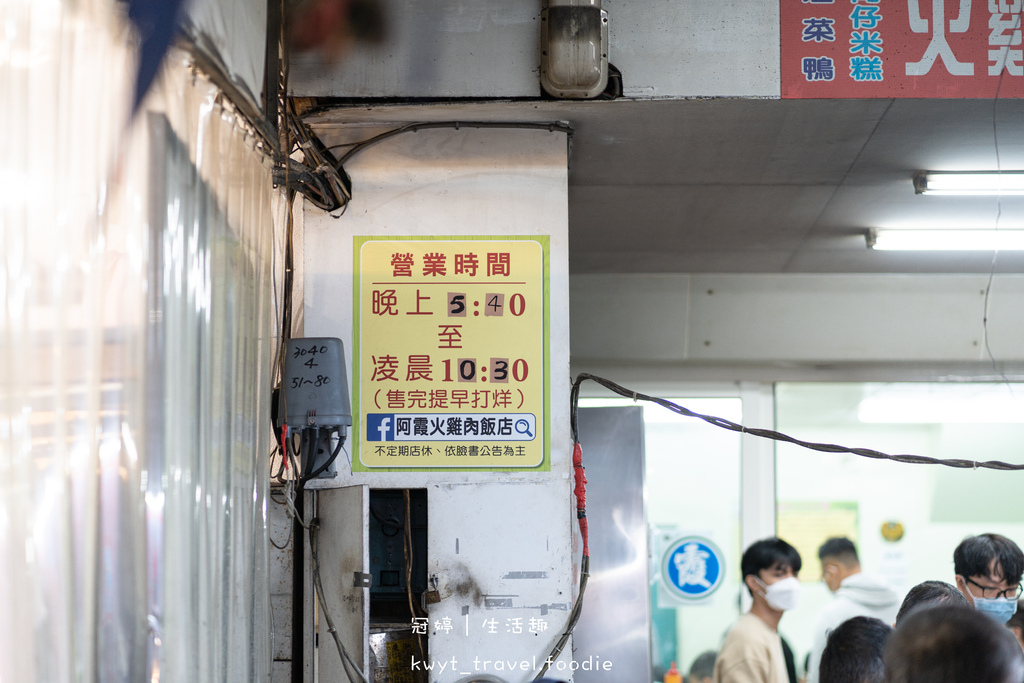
(970,632)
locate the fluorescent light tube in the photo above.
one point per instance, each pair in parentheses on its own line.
(951,403)
(969,182)
(946,240)
(941,411)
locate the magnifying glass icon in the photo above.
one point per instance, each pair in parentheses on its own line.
(523,427)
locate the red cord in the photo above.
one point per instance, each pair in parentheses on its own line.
(581,496)
(284,445)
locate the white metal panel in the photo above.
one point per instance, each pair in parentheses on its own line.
(629,317)
(796,318)
(851,317)
(694,48)
(614,631)
(501,552)
(343,516)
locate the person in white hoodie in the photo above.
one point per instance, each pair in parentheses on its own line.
(856,595)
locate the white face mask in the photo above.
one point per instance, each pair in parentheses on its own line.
(782,595)
(1000,609)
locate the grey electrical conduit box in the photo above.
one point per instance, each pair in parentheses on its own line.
(316,401)
(316,384)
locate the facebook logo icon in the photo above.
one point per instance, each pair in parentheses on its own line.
(380,427)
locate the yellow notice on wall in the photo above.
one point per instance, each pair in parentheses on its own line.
(806,525)
(449,359)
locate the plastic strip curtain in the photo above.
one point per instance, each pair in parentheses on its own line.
(135,364)
(211,214)
(71,540)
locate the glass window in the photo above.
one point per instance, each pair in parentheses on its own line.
(905,519)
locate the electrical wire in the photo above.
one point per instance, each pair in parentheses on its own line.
(330,185)
(279,474)
(346,659)
(778,436)
(288,539)
(289,502)
(387,523)
(329,461)
(574,617)
(323,180)
(580,488)
(999,200)
(407,547)
(580,491)
(289,494)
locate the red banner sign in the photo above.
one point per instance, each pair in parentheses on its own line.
(901,48)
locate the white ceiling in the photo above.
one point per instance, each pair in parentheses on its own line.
(756,185)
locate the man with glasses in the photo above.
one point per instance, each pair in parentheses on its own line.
(988,570)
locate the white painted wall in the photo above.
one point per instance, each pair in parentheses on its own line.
(458,48)
(483,527)
(782,321)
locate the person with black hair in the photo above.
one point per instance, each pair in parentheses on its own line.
(702,668)
(853,653)
(988,570)
(952,644)
(1016,624)
(856,594)
(930,593)
(752,650)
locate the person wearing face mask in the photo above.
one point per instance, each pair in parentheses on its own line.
(752,650)
(856,594)
(951,644)
(988,570)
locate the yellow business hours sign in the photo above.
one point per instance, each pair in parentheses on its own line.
(449,362)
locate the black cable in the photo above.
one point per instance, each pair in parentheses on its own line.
(577,609)
(324,182)
(280,470)
(778,436)
(574,617)
(288,538)
(330,460)
(385,523)
(414,609)
(574,401)
(310,443)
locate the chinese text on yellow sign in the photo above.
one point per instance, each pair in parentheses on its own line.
(450,343)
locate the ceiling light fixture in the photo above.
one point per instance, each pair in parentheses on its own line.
(940,410)
(945,240)
(969,182)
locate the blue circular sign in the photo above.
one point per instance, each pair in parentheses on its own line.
(693,568)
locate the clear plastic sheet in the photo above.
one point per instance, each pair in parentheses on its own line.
(233,32)
(211,222)
(70,532)
(136,346)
